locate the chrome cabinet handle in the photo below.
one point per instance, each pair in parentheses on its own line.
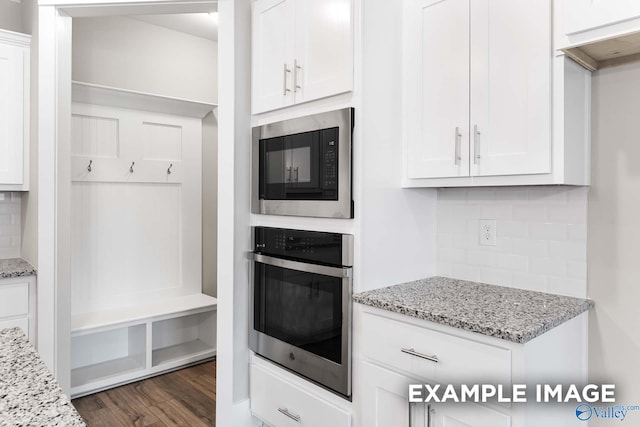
(430,415)
(458,140)
(285,89)
(476,145)
(294,417)
(412,352)
(289,174)
(89,167)
(296,67)
(296,171)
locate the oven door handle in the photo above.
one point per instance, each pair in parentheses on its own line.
(303,266)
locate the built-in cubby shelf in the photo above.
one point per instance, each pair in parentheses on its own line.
(118,346)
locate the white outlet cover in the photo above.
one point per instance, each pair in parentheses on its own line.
(487,232)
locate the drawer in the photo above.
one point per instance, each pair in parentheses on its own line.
(459,360)
(272,398)
(21,322)
(14,299)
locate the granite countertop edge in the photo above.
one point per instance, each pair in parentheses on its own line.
(16,267)
(458,322)
(29,393)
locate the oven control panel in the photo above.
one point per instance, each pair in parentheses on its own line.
(302,245)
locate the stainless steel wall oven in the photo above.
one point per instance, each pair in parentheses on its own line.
(302,166)
(301,300)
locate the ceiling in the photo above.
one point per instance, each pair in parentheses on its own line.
(203,25)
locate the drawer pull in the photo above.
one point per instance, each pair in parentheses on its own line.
(294,417)
(412,352)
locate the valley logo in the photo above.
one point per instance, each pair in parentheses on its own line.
(585,412)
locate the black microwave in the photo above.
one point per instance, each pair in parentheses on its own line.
(302,166)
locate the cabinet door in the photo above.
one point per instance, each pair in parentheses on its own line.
(582,15)
(511,54)
(11,114)
(386,399)
(273,52)
(324,49)
(466,415)
(436,88)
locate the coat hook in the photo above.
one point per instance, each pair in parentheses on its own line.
(169,170)
(131,167)
(89,167)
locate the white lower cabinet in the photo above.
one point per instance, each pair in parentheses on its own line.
(395,351)
(279,400)
(387,392)
(18,304)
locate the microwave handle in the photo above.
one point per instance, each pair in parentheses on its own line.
(303,266)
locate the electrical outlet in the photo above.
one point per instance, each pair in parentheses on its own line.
(488,232)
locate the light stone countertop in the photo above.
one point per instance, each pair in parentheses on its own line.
(511,314)
(29,394)
(15,267)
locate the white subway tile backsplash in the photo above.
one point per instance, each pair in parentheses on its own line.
(465,272)
(568,286)
(497,211)
(548,231)
(495,276)
(529,212)
(481,258)
(512,262)
(10,240)
(548,266)
(451,255)
(529,247)
(577,231)
(541,237)
(577,269)
(568,214)
(547,195)
(534,282)
(568,250)
(481,195)
(512,229)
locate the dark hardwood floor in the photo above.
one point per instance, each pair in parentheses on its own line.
(181,398)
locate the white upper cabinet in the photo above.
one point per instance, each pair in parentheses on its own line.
(582,15)
(273,53)
(484,97)
(302,50)
(14,111)
(437,97)
(510,87)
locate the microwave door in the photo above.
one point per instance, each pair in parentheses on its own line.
(275,168)
(305,167)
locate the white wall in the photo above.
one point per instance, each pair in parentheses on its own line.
(397,230)
(614,232)
(11,16)
(131,54)
(30,199)
(541,237)
(9,225)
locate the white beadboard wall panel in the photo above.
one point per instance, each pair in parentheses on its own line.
(95,136)
(10,240)
(541,237)
(126,242)
(162,141)
(136,236)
